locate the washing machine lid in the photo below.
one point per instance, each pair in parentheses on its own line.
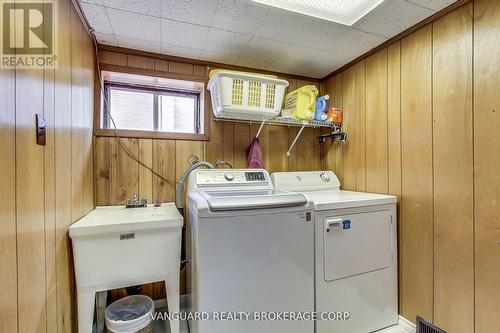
(252,200)
(118,219)
(338,199)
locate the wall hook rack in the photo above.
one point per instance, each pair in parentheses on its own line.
(338,134)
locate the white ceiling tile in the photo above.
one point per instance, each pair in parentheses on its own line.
(326,62)
(252,63)
(307,62)
(106,39)
(433,4)
(135,26)
(393,17)
(139,44)
(302,30)
(218,57)
(260,52)
(246,33)
(321,70)
(150,7)
(183,34)
(180,51)
(351,43)
(327,36)
(315,63)
(226,42)
(286,26)
(97,17)
(242,16)
(192,11)
(292,65)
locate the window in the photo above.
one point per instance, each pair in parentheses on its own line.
(151,109)
(142,106)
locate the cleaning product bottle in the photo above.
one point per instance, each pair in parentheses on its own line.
(321,108)
(302,102)
(334,115)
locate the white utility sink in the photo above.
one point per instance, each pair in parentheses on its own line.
(116,247)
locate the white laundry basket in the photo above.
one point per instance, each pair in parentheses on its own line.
(240,95)
(132,314)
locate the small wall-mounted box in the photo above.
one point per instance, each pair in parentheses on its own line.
(41,130)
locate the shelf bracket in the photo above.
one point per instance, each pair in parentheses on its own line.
(296,138)
(260,129)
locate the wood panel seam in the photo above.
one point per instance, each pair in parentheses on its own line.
(432,177)
(387,120)
(400,224)
(473,125)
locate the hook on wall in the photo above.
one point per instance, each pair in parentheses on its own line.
(337,134)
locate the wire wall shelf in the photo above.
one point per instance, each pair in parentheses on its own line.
(335,129)
(280,121)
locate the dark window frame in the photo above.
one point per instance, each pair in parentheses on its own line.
(156,92)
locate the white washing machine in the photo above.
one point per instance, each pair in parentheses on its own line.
(251,250)
(355,252)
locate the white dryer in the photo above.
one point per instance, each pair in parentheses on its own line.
(355,252)
(251,250)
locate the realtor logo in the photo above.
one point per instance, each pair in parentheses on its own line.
(29,34)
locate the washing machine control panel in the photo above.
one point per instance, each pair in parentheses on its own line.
(255,176)
(228,177)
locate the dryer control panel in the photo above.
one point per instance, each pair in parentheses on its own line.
(306,181)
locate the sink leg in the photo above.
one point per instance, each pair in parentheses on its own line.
(86,304)
(101,299)
(172,287)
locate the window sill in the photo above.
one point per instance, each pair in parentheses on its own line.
(152,135)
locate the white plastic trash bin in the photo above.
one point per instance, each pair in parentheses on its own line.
(132,314)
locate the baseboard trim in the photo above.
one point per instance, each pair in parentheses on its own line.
(407,325)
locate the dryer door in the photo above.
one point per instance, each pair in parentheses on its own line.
(356,244)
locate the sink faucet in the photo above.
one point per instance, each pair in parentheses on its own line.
(135,203)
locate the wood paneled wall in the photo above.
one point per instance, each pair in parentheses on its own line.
(118,176)
(45,189)
(423,124)
(487,164)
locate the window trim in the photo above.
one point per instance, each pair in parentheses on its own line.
(204,105)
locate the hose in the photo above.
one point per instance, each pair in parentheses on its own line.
(182,179)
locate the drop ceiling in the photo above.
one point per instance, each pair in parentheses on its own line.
(246,33)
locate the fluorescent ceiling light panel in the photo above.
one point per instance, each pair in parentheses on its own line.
(345,12)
